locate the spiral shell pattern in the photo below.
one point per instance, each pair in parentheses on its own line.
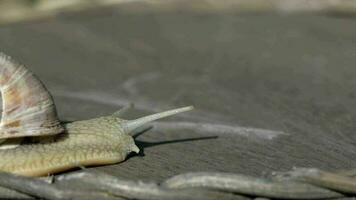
(28,107)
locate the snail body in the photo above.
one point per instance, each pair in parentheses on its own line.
(44,145)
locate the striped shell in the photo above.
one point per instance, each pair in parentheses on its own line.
(28,108)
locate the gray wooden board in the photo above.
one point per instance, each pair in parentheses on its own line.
(292,74)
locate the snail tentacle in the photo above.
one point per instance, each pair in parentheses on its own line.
(122,111)
(131,125)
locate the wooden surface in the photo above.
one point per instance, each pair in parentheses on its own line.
(288,79)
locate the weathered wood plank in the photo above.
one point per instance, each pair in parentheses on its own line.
(290,74)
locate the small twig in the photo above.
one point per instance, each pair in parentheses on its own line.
(6,193)
(350,173)
(324,179)
(298,184)
(250,186)
(139,189)
(41,189)
(124,110)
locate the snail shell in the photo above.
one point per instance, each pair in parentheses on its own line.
(29,111)
(28,108)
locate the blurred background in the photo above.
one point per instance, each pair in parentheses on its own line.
(23,10)
(273,81)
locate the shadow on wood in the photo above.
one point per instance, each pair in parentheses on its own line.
(142,145)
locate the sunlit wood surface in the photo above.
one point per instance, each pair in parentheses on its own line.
(271,91)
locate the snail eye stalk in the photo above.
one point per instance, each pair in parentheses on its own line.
(131,125)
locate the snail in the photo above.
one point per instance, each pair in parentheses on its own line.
(34,142)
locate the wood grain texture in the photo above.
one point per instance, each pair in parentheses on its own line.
(290,74)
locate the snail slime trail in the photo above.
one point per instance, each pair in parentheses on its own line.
(50,145)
